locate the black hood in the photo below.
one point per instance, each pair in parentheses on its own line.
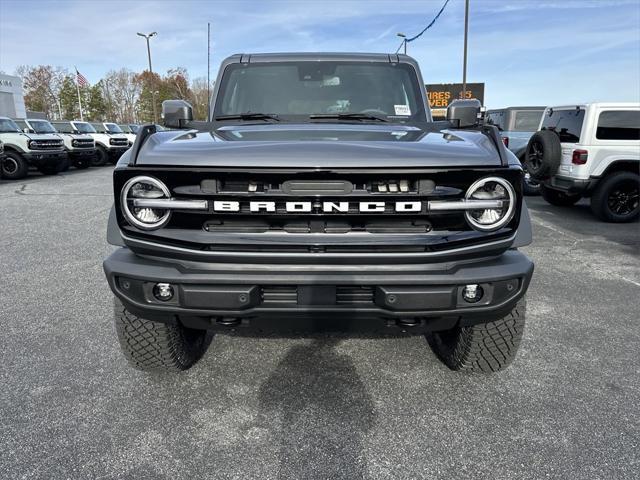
(320,145)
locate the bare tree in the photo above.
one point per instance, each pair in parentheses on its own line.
(42,86)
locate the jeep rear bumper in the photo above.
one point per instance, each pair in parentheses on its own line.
(570,186)
(209,295)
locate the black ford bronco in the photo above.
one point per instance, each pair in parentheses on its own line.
(319,194)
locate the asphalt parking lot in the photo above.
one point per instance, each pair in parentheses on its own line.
(310,407)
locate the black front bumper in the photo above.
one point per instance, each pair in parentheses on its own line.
(116,152)
(208,295)
(39,158)
(82,153)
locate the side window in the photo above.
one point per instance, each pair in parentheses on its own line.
(619,125)
(497,119)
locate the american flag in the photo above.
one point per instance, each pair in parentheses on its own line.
(82,82)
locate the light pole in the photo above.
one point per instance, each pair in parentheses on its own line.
(404,41)
(464,61)
(153,90)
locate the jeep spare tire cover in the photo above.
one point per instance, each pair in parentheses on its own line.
(543,154)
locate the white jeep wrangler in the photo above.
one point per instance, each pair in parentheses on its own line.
(590,150)
(109,147)
(22,150)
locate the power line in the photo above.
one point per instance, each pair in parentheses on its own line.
(407,40)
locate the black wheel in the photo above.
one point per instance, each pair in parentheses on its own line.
(66,165)
(486,347)
(14,167)
(558,198)
(101,158)
(531,186)
(82,163)
(615,199)
(155,346)
(543,154)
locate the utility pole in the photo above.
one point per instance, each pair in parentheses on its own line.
(153,86)
(464,62)
(208,71)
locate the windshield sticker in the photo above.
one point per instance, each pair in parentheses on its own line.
(402,109)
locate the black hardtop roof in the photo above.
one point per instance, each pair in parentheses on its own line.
(319,56)
(515,108)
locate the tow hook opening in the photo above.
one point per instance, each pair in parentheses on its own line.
(228,321)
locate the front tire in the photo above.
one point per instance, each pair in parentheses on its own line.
(14,167)
(101,158)
(486,347)
(82,163)
(557,198)
(615,199)
(156,346)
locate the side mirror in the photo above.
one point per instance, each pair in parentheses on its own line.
(465,113)
(176,113)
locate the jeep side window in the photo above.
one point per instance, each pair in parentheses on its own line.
(566,123)
(497,119)
(619,125)
(527,120)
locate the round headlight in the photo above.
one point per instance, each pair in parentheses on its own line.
(144,188)
(33,144)
(491,188)
(74,143)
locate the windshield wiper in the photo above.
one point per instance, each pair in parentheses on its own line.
(249,116)
(348,116)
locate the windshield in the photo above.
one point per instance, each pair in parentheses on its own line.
(8,126)
(134,128)
(297,90)
(113,128)
(84,127)
(125,128)
(63,127)
(42,126)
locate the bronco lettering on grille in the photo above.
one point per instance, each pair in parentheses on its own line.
(324,207)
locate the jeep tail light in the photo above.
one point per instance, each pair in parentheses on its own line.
(579,157)
(505,140)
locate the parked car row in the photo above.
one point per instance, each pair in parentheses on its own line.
(578,151)
(52,147)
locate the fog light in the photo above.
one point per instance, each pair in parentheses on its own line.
(472,293)
(163,291)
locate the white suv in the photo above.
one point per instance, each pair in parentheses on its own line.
(109,147)
(80,148)
(590,150)
(22,150)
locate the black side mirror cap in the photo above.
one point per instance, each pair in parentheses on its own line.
(176,113)
(465,113)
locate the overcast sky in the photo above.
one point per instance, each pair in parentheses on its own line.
(526,51)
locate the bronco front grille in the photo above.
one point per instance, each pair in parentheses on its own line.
(45,144)
(287,212)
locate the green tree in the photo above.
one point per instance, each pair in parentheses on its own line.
(95,107)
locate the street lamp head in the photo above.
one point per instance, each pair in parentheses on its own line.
(153,34)
(401,35)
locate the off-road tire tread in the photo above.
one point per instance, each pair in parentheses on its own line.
(486,347)
(156,346)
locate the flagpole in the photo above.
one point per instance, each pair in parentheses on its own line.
(78,90)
